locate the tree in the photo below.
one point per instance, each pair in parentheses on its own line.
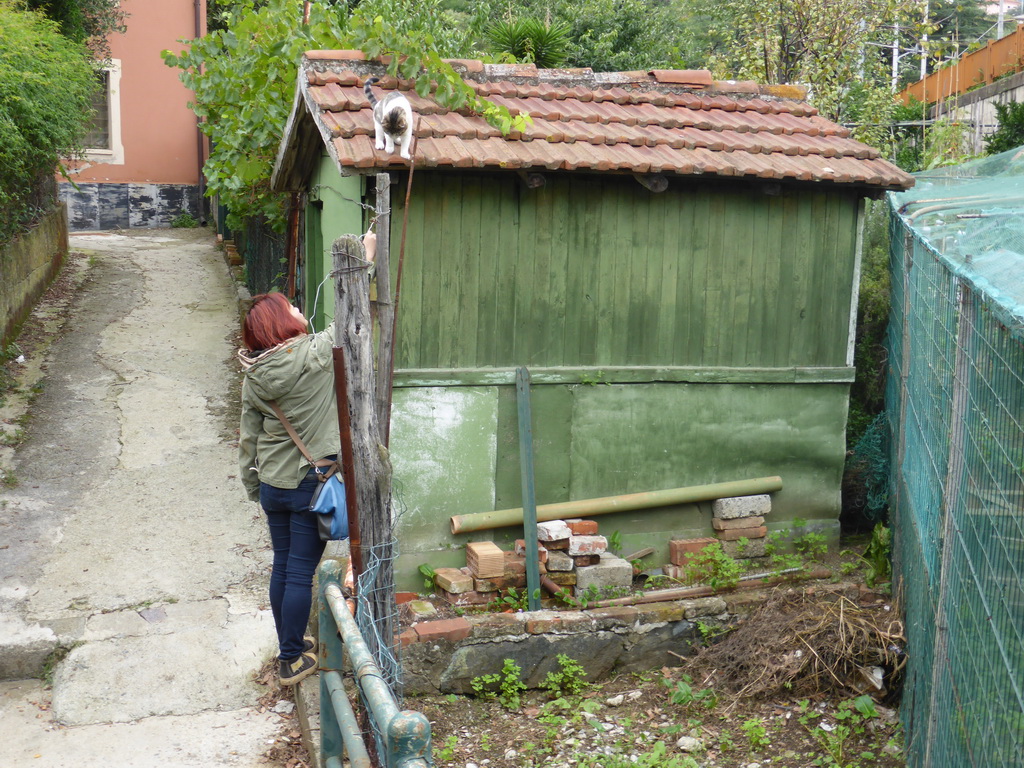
(243,78)
(1010,133)
(46,82)
(85,21)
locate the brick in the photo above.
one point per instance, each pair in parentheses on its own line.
(582,527)
(542,553)
(737,522)
(563,578)
(452,630)
(582,561)
(418,610)
(587,545)
(704,606)
(492,585)
(614,616)
(611,572)
(742,506)
(558,621)
(560,544)
(468,598)
(453,580)
(656,613)
(736,534)
(408,637)
(674,571)
(487,626)
(553,530)
(485,559)
(753,548)
(559,561)
(678,549)
(515,565)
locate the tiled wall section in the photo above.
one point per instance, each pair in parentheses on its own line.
(127,206)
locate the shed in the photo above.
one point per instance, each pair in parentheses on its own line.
(675,259)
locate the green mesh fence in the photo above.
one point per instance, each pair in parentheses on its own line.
(955,406)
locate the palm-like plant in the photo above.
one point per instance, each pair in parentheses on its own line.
(531,40)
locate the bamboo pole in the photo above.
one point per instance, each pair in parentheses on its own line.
(482,521)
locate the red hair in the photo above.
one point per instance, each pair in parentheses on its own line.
(269,322)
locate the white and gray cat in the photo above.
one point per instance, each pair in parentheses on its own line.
(392,120)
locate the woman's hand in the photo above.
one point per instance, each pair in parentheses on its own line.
(370,245)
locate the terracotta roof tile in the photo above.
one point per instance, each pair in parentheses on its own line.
(668,122)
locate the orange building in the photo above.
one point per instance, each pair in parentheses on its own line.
(143,164)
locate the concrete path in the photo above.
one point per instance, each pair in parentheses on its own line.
(128,538)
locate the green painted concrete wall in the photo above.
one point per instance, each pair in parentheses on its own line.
(455,451)
(695,336)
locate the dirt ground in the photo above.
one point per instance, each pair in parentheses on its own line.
(784,688)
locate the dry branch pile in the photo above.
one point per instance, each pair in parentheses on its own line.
(807,644)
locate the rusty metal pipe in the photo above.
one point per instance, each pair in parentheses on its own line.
(482,521)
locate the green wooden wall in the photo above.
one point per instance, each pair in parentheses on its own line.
(693,336)
(598,271)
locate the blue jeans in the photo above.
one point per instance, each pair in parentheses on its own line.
(297,551)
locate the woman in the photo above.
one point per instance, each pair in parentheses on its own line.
(285,364)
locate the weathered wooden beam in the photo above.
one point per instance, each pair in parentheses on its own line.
(656,182)
(365,460)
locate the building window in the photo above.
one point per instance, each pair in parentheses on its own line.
(99,132)
(103,141)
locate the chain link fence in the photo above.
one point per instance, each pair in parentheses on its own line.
(955,405)
(266,261)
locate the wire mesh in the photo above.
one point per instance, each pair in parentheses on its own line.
(265,257)
(955,407)
(377,618)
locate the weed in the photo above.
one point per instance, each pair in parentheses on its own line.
(709,632)
(725,742)
(508,683)
(756,733)
(656,757)
(684,694)
(851,718)
(485,742)
(514,600)
(568,680)
(55,657)
(615,541)
(712,566)
(447,752)
(429,574)
(184,221)
(876,557)
(7,478)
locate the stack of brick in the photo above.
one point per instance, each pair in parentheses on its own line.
(742,517)
(734,519)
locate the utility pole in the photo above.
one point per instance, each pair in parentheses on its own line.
(1002,16)
(924,43)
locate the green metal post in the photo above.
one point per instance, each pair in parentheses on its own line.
(529,492)
(406,733)
(332,657)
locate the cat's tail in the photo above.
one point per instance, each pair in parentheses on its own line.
(369,93)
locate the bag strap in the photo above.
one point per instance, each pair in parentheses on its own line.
(317,464)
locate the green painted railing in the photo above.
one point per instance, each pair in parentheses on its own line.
(405,734)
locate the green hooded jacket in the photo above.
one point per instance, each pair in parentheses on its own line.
(299,375)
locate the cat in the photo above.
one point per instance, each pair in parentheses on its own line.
(392,120)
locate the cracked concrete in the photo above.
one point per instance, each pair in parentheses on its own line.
(129,538)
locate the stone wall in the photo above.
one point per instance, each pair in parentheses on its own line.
(444,656)
(977,108)
(27,265)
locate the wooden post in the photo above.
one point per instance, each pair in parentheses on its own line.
(365,460)
(385,307)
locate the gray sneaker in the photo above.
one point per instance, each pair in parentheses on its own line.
(294,670)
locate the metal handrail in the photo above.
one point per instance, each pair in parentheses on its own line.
(406,733)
